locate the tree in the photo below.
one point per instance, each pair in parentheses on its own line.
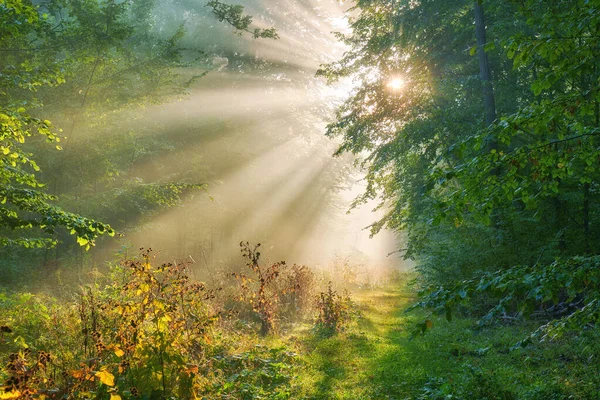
(548,165)
(25,206)
(489,102)
(409,131)
(78,62)
(444,159)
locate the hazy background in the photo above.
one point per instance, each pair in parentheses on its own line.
(253,129)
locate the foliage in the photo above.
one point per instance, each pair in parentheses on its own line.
(548,148)
(297,286)
(375,358)
(472,196)
(564,292)
(151,332)
(81,63)
(479,384)
(48,347)
(233,14)
(500,215)
(334,310)
(25,206)
(147,335)
(257,373)
(268,285)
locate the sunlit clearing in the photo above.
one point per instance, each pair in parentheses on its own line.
(396,84)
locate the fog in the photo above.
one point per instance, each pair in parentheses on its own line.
(250,125)
(253,130)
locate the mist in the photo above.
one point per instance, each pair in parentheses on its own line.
(253,130)
(248,123)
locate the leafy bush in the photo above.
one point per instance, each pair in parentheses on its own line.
(297,288)
(150,332)
(565,293)
(334,310)
(273,289)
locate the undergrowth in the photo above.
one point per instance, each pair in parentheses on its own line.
(375,358)
(148,330)
(145,331)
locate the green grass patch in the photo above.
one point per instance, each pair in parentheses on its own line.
(375,358)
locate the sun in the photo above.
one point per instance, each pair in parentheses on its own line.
(396,84)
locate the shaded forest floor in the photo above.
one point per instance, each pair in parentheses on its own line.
(375,358)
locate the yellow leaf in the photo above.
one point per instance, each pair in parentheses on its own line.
(77,374)
(163,323)
(10,395)
(106,377)
(143,288)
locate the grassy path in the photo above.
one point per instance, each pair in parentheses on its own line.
(374,359)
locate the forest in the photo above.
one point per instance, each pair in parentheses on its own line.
(300,199)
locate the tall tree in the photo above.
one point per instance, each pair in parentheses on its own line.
(489,102)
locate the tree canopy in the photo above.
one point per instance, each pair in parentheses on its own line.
(79,62)
(478,126)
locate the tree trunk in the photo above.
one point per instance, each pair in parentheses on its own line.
(489,102)
(586,217)
(485,74)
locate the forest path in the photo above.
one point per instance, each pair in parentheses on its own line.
(374,358)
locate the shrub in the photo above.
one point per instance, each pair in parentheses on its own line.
(149,332)
(260,290)
(297,292)
(272,290)
(346,272)
(152,330)
(565,294)
(334,310)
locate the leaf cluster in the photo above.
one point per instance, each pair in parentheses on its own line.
(562,295)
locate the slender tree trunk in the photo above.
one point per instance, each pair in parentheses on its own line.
(485,74)
(586,216)
(489,102)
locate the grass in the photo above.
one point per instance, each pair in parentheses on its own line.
(372,358)
(375,358)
